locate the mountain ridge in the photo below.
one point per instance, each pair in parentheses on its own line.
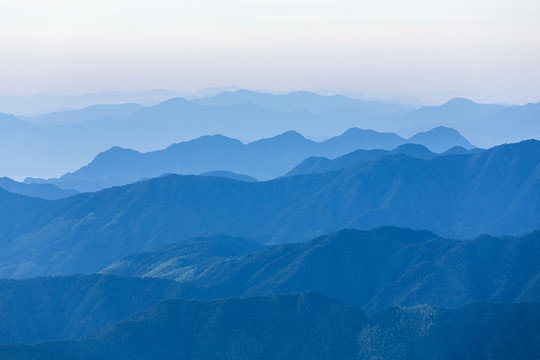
(262,159)
(457,196)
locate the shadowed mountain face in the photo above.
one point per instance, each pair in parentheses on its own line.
(306,326)
(263,159)
(44,191)
(462,196)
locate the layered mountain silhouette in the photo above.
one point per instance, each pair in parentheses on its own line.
(315,164)
(461,196)
(90,113)
(304,100)
(44,191)
(307,326)
(484,125)
(263,159)
(343,244)
(48,151)
(41,104)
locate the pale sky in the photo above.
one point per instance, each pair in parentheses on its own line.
(486,50)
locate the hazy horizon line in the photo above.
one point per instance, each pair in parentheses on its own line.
(375,95)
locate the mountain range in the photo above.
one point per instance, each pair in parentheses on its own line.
(377,269)
(44,191)
(48,150)
(263,159)
(317,165)
(89,113)
(41,104)
(246,240)
(461,196)
(40,149)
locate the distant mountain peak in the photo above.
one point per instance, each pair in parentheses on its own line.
(439,138)
(355,130)
(459,101)
(291,134)
(173,102)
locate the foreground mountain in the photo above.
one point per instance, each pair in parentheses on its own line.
(44,191)
(387,267)
(69,307)
(306,326)
(371,269)
(462,196)
(185,260)
(263,159)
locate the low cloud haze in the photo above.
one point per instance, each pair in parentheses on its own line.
(484,50)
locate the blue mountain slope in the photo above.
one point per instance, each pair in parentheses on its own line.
(44,191)
(318,165)
(377,269)
(494,192)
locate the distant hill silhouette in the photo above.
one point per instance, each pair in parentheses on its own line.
(50,151)
(41,104)
(89,113)
(484,125)
(307,326)
(462,196)
(303,100)
(44,191)
(263,159)
(317,165)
